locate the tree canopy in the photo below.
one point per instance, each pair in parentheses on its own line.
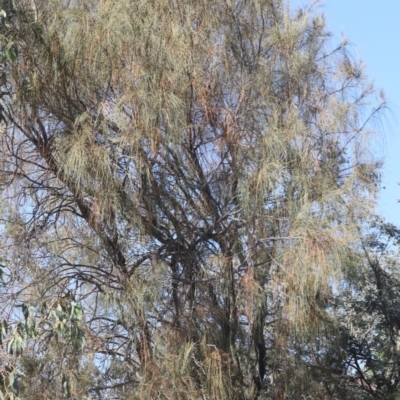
(187,205)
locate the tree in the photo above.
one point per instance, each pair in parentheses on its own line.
(189,175)
(355,354)
(369,311)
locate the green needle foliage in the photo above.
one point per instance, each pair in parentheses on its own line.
(182,188)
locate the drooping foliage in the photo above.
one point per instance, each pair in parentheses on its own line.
(182,185)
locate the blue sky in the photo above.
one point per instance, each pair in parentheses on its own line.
(373,29)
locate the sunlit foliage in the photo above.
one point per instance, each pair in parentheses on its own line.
(182,188)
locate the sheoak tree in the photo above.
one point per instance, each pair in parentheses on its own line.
(181,185)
